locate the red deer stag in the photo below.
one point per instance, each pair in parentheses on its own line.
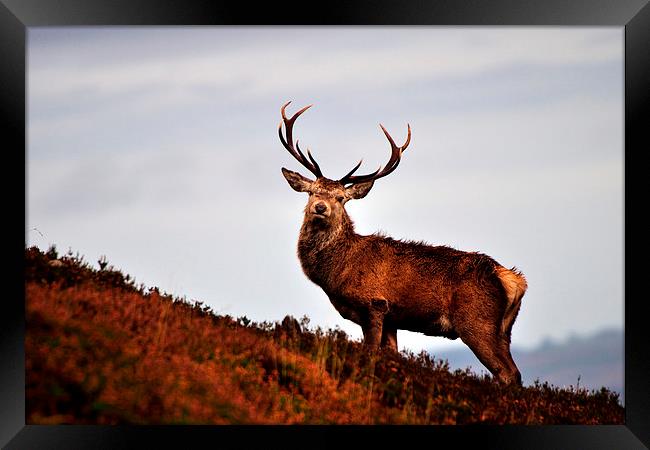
(384,284)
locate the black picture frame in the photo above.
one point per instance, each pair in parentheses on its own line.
(18,15)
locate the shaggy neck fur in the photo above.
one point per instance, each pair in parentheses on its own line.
(322,246)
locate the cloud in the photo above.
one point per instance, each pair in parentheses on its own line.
(314,60)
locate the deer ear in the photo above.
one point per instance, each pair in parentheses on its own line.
(359,190)
(297,181)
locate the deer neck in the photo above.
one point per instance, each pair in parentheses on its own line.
(323,247)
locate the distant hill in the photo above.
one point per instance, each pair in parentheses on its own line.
(596,359)
(101,350)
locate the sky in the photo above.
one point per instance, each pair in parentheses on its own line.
(157,148)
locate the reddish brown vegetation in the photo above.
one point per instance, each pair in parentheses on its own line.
(101,350)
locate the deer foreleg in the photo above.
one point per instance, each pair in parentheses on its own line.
(372,329)
(389,337)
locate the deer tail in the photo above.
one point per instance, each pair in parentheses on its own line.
(515,285)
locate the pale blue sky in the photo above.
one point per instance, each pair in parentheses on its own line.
(158,148)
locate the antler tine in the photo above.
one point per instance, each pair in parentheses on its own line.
(393,162)
(313,161)
(354,169)
(310,163)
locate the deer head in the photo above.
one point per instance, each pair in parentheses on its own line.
(327,197)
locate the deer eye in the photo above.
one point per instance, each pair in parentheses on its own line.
(339,198)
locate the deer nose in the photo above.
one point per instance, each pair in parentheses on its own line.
(320,207)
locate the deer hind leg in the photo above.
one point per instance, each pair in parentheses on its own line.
(514,285)
(389,337)
(507,357)
(489,349)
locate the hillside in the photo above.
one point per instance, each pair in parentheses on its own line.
(100,349)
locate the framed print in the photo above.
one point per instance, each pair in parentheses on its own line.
(156,132)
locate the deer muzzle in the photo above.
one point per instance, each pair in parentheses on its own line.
(320,208)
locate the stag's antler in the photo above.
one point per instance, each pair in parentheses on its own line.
(310,164)
(393,162)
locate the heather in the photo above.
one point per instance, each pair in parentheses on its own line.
(102,349)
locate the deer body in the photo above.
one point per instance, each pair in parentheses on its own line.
(383,284)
